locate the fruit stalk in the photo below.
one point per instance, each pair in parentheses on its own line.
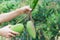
(33,5)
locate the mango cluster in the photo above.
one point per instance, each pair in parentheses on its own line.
(20,27)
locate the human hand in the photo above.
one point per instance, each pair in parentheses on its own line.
(26,9)
(7,32)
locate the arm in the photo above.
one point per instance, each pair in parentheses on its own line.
(6,31)
(8,16)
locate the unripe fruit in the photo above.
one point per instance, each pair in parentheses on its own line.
(17,28)
(31,29)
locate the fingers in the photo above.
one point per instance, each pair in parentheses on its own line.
(15,33)
(7,32)
(26,9)
(11,35)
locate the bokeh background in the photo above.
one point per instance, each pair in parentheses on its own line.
(46,17)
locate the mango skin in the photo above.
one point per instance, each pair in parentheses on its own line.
(31,29)
(17,28)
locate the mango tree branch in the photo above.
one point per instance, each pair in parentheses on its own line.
(33,5)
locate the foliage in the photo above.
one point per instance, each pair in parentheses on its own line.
(46,17)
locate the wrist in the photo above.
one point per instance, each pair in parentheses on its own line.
(20,11)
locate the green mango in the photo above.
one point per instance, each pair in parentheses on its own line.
(31,29)
(17,28)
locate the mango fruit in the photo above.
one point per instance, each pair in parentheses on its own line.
(17,28)
(31,29)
